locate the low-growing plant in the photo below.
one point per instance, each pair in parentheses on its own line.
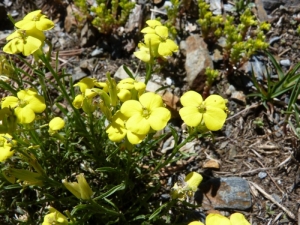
(274,88)
(84,153)
(107,16)
(238,46)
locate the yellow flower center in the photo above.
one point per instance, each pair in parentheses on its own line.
(202,108)
(145,113)
(2,142)
(23,103)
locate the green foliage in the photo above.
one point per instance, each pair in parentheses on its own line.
(107,15)
(211,25)
(286,82)
(238,48)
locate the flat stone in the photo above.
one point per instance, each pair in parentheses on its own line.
(197,60)
(231,193)
(211,164)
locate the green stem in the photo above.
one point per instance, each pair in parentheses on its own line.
(175,150)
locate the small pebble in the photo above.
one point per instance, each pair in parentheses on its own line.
(262,175)
(285,62)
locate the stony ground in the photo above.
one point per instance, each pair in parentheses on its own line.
(254,145)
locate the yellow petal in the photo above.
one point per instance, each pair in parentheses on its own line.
(162,31)
(138,124)
(238,219)
(85,189)
(131,107)
(196,223)
(142,55)
(190,115)
(167,48)
(152,39)
(191,98)
(159,118)
(134,138)
(56,123)
(148,30)
(153,23)
(34,15)
(30,46)
(116,130)
(216,101)
(193,180)
(78,101)
(151,101)
(24,115)
(36,34)
(5,148)
(214,118)
(216,219)
(10,102)
(44,24)
(10,47)
(124,95)
(85,83)
(25,24)
(37,103)
(14,35)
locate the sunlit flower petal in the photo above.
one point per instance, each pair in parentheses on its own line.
(217,219)
(238,219)
(191,116)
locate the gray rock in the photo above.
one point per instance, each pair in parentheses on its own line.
(121,74)
(270,5)
(78,74)
(197,60)
(231,193)
(215,7)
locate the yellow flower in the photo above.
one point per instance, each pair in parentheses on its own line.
(129,88)
(195,110)
(117,131)
(85,99)
(25,105)
(24,41)
(196,223)
(35,20)
(55,125)
(80,189)
(148,112)
(145,54)
(85,83)
(235,219)
(217,219)
(186,189)
(55,218)
(157,35)
(5,147)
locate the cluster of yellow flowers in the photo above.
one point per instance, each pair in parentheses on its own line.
(29,36)
(216,219)
(157,42)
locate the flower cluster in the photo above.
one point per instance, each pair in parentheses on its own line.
(157,43)
(29,36)
(27,103)
(214,218)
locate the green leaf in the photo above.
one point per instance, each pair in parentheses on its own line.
(128,72)
(111,191)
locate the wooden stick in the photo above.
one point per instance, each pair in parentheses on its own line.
(288,212)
